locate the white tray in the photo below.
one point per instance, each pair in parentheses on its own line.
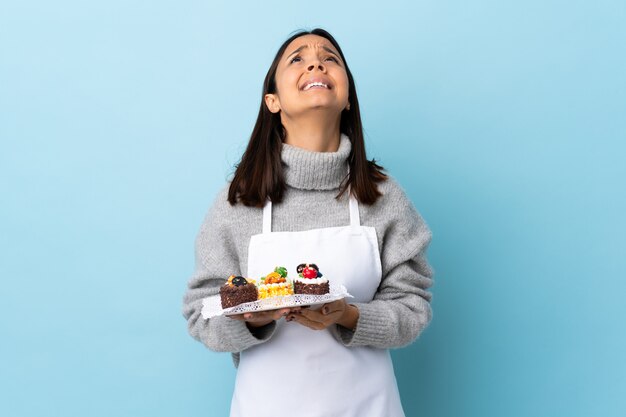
(212,306)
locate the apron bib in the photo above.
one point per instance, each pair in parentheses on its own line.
(307,373)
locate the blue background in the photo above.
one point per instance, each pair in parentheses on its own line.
(504,121)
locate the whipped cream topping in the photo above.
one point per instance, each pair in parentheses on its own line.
(311,280)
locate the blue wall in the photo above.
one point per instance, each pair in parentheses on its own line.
(505,122)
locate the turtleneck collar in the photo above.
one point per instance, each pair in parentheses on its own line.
(310,170)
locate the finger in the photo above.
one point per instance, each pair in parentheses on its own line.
(277,314)
(315,315)
(334,306)
(319,317)
(327,309)
(257,316)
(261,315)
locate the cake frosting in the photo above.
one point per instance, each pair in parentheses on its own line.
(310,280)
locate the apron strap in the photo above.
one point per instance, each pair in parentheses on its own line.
(267,217)
(355,220)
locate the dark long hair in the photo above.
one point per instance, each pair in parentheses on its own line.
(259,175)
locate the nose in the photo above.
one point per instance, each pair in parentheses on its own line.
(318,64)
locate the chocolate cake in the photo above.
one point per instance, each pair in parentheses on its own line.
(310,281)
(238,290)
(315,289)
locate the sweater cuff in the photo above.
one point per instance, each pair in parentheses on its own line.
(371,327)
(241,336)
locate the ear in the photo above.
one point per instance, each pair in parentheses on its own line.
(272,102)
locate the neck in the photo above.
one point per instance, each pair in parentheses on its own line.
(315,133)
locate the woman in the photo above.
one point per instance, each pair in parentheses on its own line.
(305,192)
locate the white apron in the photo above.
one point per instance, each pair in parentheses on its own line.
(302,372)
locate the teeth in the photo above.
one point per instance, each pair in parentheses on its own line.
(315,83)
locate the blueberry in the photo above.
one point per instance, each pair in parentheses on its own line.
(239,281)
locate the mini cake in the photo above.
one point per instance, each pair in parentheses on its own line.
(275,283)
(310,281)
(238,290)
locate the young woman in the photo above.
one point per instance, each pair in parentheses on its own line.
(304,192)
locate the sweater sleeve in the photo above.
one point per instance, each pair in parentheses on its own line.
(400,309)
(215,259)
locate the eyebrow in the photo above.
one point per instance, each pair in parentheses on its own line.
(326,48)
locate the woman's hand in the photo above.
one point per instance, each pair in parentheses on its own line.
(336,312)
(262,318)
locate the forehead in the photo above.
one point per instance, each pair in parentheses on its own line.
(311,41)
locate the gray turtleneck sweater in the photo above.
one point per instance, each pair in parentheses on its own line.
(400,309)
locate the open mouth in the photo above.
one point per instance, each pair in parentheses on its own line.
(316,85)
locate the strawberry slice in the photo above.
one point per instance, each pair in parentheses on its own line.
(309,272)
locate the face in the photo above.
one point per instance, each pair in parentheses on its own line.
(307,59)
